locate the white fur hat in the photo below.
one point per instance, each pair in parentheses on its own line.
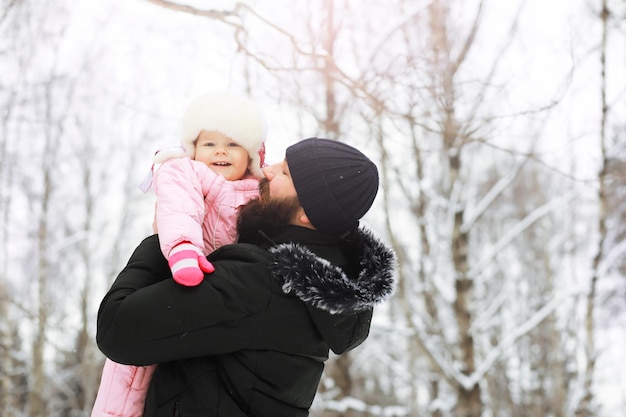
(230,114)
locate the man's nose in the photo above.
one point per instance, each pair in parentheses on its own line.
(268,172)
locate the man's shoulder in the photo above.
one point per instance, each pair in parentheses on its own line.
(242,252)
(246,267)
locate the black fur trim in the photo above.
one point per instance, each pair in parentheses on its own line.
(319,283)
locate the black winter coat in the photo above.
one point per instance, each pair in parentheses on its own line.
(252,338)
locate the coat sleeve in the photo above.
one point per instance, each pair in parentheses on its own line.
(180,186)
(147,318)
(122,390)
(344,331)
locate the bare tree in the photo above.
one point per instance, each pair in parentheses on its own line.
(587,405)
(38,390)
(7,326)
(37,107)
(417,89)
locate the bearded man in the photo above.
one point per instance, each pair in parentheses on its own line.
(252,338)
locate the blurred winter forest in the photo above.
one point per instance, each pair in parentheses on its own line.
(500,131)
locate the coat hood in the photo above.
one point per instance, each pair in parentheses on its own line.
(322,285)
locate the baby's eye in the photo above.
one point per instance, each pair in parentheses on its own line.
(208,144)
(233,145)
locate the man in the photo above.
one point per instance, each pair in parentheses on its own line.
(252,338)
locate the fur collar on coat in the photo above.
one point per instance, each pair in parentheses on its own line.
(325,286)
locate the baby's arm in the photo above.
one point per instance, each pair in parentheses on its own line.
(179,217)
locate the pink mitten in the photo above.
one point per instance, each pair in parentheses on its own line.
(188,264)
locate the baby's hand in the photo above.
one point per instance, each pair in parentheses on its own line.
(188,264)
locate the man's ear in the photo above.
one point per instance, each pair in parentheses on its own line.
(303,219)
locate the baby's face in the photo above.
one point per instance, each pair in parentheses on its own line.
(223,155)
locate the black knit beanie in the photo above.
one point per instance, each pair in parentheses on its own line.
(336,183)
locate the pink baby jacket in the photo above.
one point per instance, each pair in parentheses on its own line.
(196,205)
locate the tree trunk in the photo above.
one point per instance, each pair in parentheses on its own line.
(36,395)
(469,402)
(585,408)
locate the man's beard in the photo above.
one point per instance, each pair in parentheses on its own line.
(265,213)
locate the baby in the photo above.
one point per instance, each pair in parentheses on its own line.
(200,188)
